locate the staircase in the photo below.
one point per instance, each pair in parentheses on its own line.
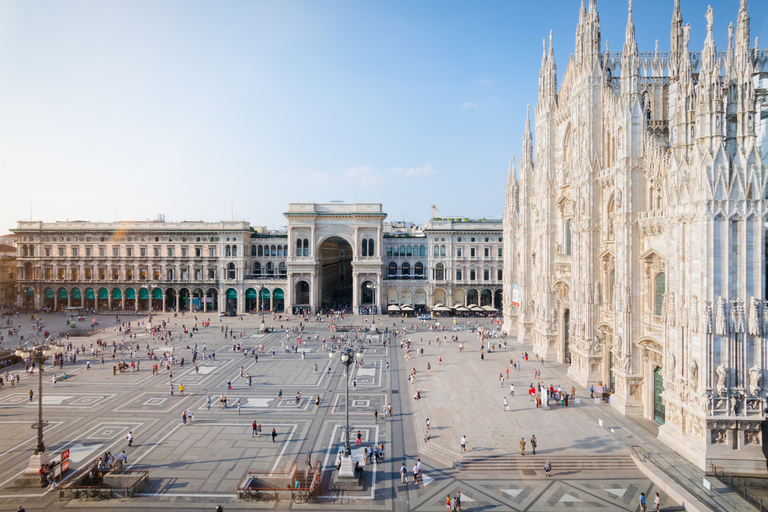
(559,463)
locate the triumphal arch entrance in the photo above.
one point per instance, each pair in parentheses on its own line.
(334,258)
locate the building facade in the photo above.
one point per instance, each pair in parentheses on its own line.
(8,287)
(636,239)
(332,255)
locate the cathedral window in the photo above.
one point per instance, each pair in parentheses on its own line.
(568,237)
(609,218)
(659,288)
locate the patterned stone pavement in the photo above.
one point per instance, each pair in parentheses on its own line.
(197,466)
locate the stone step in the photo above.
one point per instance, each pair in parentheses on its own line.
(559,463)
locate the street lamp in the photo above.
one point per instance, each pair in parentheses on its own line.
(261,298)
(348,356)
(38,354)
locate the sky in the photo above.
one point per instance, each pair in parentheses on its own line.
(198,110)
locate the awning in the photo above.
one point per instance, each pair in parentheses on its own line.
(103,293)
(458,305)
(490,309)
(62,293)
(393,307)
(117,293)
(264,293)
(143,293)
(89,294)
(76,294)
(462,309)
(441,309)
(231,293)
(478,309)
(48,293)
(439,305)
(30,291)
(250,293)
(157,293)
(278,294)
(406,308)
(130,294)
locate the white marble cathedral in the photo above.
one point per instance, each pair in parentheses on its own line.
(635,242)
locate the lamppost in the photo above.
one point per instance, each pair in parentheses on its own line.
(261,299)
(348,356)
(38,354)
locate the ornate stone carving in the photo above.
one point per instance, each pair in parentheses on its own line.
(720,326)
(693,374)
(718,437)
(754,317)
(671,309)
(596,298)
(752,437)
(722,380)
(671,366)
(706,318)
(628,300)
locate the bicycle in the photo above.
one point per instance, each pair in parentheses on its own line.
(300,496)
(253,495)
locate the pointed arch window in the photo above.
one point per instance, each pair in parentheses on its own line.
(568,237)
(659,289)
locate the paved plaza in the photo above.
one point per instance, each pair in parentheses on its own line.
(198,465)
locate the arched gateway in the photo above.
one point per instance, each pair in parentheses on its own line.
(335,256)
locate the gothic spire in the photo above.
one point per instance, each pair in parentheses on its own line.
(742,36)
(676,39)
(709,55)
(630,58)
(527,157)
(629,43)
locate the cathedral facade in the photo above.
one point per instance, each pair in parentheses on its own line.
(635,240)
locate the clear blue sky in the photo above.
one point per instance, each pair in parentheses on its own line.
(118,110)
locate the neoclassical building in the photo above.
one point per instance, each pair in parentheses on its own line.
(636,238)
(330,255)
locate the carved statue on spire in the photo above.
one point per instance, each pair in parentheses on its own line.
(710,18)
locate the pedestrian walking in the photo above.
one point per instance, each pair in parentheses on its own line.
(53,380)
(181,389)
(238,406)
(31,395)
(253,428)
(208,402)
(448,503)
(548,468)
(642,502)
(522,446)
(279,395)
(463,443)
(511,390)
(184,417)
(403,474)
(190,416)
(657,503)
(457,500)
(129,437)
(506,404)
(171,389)
(533,444)
(258,429)
(415,473)
(274,434)
(375,415)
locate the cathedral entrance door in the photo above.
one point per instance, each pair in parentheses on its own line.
(658,403)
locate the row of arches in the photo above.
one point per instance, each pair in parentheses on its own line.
(406,251)
(405,271)
(268,270)
(278,251)
(459,297)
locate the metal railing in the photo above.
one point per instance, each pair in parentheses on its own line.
(738,485)
(642,454)
(76,487)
